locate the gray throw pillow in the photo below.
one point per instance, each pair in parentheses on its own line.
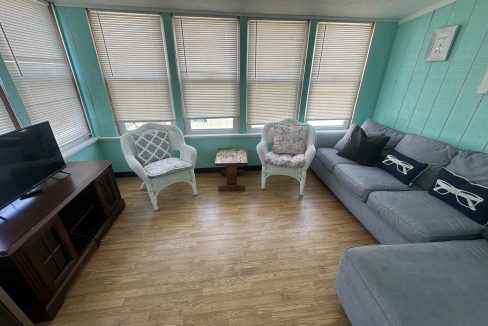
(471,165)
(340,144)
(151,146)
(370,126)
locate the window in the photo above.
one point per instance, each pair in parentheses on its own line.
(275,60)
(132,56)
(207,51)
(35,58)
(339,57)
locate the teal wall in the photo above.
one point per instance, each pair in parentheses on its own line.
(81,50)
(91,152)
(438,99)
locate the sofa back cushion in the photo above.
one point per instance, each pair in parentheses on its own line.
(370,126)
(471,165)
(435,153)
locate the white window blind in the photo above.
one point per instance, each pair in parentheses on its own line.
(275,60)
(339,57)
(207,50)
(131,52)
(5,121)
(33,53)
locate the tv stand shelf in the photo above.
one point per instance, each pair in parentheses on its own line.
(45,239)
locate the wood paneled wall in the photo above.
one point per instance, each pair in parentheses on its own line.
(438,99)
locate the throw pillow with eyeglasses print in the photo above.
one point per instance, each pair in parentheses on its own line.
(402,167)
(469,198)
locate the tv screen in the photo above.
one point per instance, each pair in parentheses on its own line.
(27,158)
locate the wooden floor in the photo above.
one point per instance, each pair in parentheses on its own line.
(253,258)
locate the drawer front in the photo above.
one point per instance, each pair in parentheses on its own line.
(108,191)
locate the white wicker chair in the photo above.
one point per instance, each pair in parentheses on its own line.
(299,173)
(155,184)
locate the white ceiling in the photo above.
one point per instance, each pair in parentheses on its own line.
(378,9)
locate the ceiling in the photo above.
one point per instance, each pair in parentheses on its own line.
(378,9)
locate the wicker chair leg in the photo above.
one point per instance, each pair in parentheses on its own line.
(194,185)
(154,200)
(143,186)
(263,179)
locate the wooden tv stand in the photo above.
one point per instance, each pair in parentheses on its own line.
(46,238)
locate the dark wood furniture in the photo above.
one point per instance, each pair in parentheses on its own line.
(46,238)
(231,158)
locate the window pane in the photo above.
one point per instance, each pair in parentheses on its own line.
(339,57)
(207,52)
(35,59)
(134,125)
(275,60)
(329,123)
(131,52)
(216,123)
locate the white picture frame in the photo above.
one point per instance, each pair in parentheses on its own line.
(440,43)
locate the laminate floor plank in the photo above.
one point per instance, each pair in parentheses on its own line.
(259,257)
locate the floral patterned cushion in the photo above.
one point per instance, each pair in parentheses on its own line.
(285,160)
(290,139)
(166,166)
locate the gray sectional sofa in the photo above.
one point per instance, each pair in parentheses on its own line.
(416,277)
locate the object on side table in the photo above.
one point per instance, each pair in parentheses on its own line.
(231,158)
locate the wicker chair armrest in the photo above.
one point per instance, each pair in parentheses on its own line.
(188,154)
(136,167)
(262,149)
(309,155)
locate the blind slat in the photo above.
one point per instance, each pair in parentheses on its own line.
(131,52)
(339,57)
(207,52)
(275,60)
(34,57)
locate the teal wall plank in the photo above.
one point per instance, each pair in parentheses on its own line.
(374,71)
(243,73)
(92,152)
(438,99)
(78,41)
(392,72)
(13,96)
(312,34)
(173,69)
(422,68)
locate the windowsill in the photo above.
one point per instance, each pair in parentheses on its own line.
(203,136)
(78,148)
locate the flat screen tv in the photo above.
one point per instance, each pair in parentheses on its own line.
(28,157)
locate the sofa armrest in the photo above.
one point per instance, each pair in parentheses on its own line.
(328,138)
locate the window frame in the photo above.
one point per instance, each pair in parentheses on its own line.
(8,107)
(252,127)
(119,124)
(187,121)
(347,122)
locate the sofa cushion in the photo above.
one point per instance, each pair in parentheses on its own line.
(420,217)
(435,284)
(362,180)
(370,126)
(329,157)
(340,144)
(469,198)
(435,153)
(471,165)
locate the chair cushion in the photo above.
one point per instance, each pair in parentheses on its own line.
(151,146)
(285,160)
(329,157)
(362,180)
(421,217)
(290,139)
(435,284)
(166,166)
(370,127)
(471,165)
(435,153)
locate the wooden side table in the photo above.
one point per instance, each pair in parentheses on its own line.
(231,158)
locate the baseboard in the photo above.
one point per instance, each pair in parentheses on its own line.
(131,174)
